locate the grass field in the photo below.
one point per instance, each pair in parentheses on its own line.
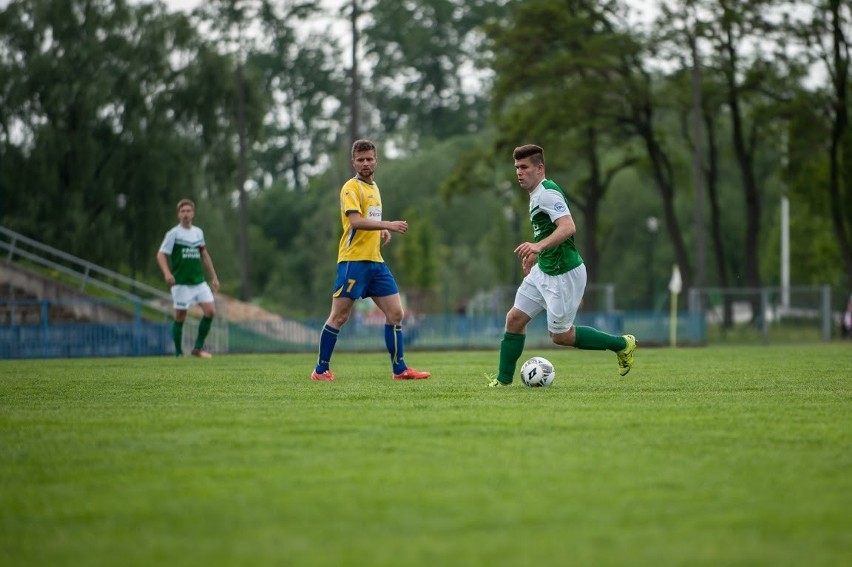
(701,457)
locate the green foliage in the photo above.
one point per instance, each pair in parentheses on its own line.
(425,48)
(416,254)
(296,234)
(111,113)
(239,458)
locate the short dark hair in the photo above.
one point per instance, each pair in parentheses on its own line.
(535,153)
(362,146)
(183,202)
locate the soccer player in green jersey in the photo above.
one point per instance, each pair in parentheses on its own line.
(361,271)
(183,259)
(554,276)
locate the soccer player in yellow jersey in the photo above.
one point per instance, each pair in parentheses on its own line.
(361,270)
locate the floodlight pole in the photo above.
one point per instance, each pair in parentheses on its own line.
(354,92)
(697,162)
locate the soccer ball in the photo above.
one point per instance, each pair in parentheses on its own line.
(537,372)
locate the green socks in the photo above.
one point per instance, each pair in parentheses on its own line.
(203,330)
(511,348)
(589,338)
(177,337)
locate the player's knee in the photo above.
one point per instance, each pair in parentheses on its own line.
(337,320)
(516,322)
(563,339)
(395,317)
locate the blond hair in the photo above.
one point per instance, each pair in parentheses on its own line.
(183,202)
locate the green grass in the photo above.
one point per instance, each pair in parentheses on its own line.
(701,457)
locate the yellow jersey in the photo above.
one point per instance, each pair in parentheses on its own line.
(360,245)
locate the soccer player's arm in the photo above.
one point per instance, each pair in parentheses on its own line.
(565,228)
(357,222)
(350,202)
(211,271)
(527,262)
(163,261)
(556,207)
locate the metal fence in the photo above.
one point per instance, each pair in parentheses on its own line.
(43,337)
(53,329)
(42,329)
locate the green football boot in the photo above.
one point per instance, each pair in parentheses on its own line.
(625,355)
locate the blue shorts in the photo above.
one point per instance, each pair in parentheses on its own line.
(364,279)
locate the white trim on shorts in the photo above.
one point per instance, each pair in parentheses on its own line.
(185,296)
(559,295)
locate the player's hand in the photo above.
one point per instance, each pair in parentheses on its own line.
(214,284)
(528,262)
(399,226)
(386,237)
(170,279)
(526,249)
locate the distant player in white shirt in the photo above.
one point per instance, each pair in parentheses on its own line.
(183,258)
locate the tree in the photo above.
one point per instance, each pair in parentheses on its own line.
(577,87)
(109,113)
(697,95)
(825,36)
(301,75)
(424,54)
(228,22)
(752,87)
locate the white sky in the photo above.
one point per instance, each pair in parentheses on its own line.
(186,5)
(644,8)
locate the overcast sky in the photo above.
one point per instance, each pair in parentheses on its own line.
(646,7)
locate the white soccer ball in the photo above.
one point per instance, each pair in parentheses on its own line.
(537,372)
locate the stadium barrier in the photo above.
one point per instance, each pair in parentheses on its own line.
(52,328)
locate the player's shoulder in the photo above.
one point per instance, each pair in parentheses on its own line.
(553,198)
(351,183)
(551,185)
(190,234)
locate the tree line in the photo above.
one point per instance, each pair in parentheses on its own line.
(702,119)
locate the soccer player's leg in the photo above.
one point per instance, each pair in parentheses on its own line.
(181,304)
(348,286)
(528,303)
(385,293)
(625,355)
(562,310)
(511,345)
(208,307)
(177,337)
(341,310)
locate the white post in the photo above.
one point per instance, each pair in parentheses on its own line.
(675,287)
(785,251)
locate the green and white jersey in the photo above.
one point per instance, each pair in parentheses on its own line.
(184,246)
(548,203)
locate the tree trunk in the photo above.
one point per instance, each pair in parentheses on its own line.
(841,219)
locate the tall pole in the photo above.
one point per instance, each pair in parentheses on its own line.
(354,88)
(698,163)
(785,232)
(241,183)
(785,250)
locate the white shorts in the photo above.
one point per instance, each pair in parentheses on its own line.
(185,296)
(559,295)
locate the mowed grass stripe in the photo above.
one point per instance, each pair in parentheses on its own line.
(716,456)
